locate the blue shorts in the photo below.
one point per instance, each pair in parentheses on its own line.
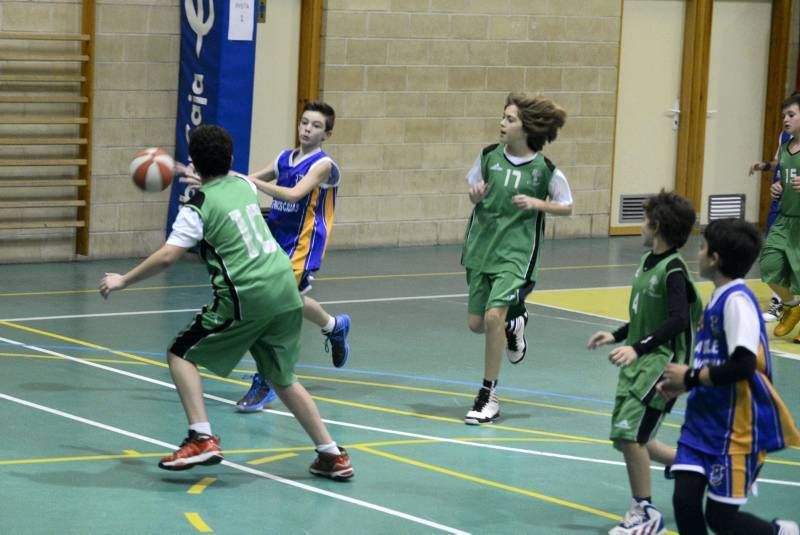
(729,476)
(303,279)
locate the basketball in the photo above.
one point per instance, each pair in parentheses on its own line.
(152,170)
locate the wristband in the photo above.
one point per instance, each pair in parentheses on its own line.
(766,166)
(691,378)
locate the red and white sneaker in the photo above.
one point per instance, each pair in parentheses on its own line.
(336,467)
(195,450)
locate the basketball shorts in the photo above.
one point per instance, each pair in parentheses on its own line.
(729,476)
(633,421)
(219,344)
(495,290)
(304,279)
(780,257)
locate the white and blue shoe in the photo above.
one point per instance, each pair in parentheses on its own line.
(642,519)
(337,339)
(259,396)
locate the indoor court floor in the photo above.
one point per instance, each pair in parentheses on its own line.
(88,407)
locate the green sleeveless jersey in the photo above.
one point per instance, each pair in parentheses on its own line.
(251,276)
(500,237)
(790,168)
(647,310)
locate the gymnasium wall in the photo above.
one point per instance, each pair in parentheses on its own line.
(418,86)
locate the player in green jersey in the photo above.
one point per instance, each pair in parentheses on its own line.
(780,257)
(664,307)
(256,305)
(512,186)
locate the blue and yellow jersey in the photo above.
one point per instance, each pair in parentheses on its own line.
(302,228)
(745,417)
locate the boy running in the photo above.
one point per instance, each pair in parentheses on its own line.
(256,305)
(662,306)
(512,186)
(734,416)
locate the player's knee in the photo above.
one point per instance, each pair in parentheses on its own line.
(475,323)
(494,319)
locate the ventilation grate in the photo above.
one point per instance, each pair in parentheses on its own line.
(631,208)
(726,206)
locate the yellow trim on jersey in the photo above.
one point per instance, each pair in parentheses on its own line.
(304,238)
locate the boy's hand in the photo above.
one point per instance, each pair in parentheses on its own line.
(524,202)
(477,192)
(795,182)
(188,174)
(668,392)
(110,283)
(600,338)
(757,166)
(622,356)
(776,190)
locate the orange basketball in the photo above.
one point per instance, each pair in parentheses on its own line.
(152,170)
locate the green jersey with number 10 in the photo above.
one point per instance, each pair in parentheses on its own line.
(250,274)
(500,236)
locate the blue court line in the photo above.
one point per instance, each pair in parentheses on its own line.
(372,373)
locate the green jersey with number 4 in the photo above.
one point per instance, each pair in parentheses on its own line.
(500,236)
(251,276)
(648,311)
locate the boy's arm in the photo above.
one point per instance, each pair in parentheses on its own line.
(560,197)
(267,174)
(152,265)
(316,176)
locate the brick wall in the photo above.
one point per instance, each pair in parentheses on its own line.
(419,87)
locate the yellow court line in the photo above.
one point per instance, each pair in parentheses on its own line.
(195,520)
(464,395)
(53,357)
(127,455)
(341,278)
(112,351)
(490,483)
(201,485)
(272,458)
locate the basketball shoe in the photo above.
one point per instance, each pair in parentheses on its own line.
(337,339)
(790,316)
(259,395)
(196,449)
(516,343)
(336,467)
(642,519)
(486,408)
(773,311)
(786,527)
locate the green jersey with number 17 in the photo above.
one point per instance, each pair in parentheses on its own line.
(501,237)
(251,276)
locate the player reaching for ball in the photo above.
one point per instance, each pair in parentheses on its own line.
(256,305)
(301,219)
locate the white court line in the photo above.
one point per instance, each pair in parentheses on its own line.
(235,466)
(182,310)
(360,426)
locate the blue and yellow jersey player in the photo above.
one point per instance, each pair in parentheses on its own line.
(734,416)
(303,183)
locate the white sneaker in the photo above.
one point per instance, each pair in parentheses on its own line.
(486,408)
(773,311)
(641,519)
(516,344)
(787,527)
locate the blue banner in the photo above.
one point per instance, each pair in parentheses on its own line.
(216,80)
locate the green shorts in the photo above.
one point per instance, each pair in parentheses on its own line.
(780,257)
(634,421)
(495,290)
(220,343)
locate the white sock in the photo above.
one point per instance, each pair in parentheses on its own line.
(329,448)
(330,325)
(201,428)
